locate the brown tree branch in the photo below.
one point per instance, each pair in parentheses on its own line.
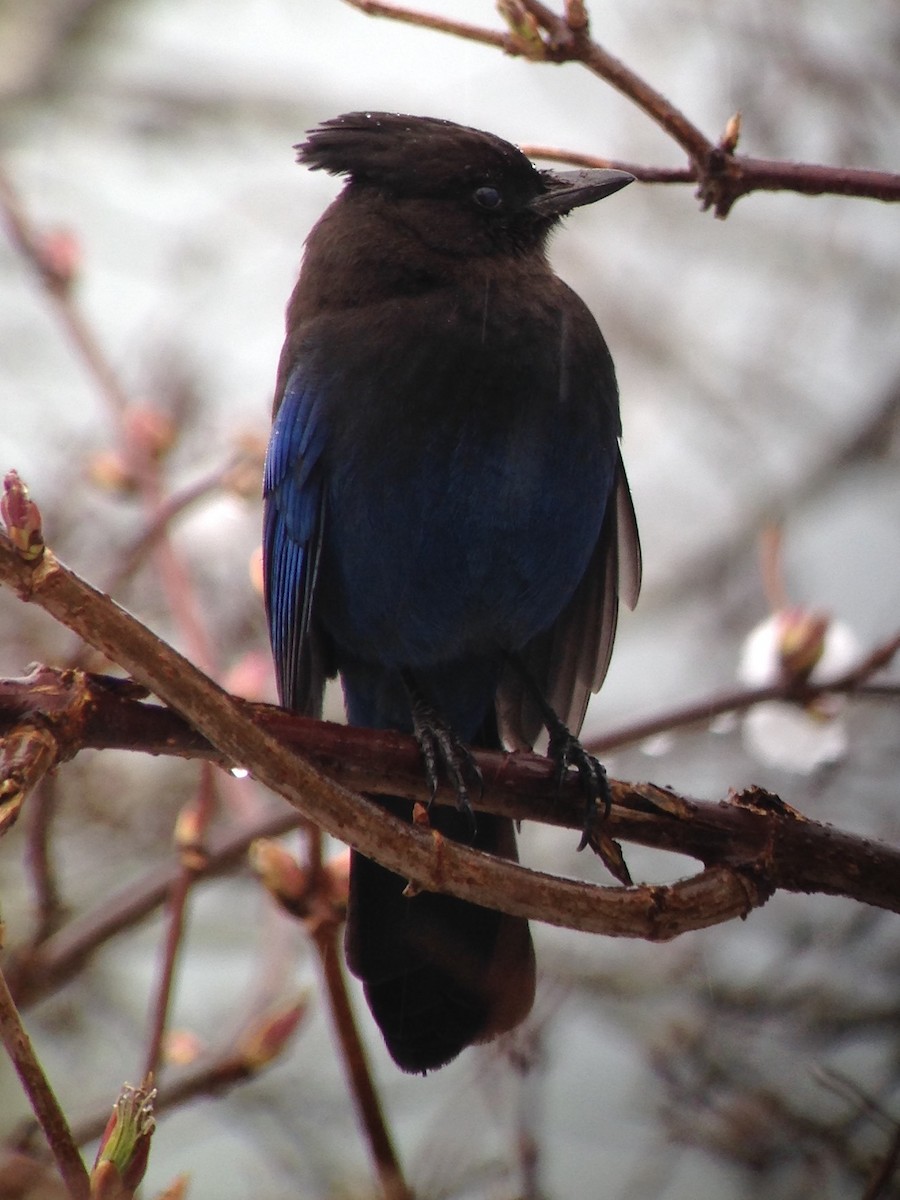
(563,44)
(103,712)
(189,837)
(97,712)
(755,843)
(21,1053)
(429,861)
(538,33)
(327,942)
(463,29)
(49,906)
(746,174)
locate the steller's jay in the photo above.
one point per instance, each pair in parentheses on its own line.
(447,520)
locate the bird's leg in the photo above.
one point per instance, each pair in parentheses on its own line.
(567,751)
(442,748)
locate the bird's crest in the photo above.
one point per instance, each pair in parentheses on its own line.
(405,153)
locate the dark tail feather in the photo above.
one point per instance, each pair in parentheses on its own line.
(439,973)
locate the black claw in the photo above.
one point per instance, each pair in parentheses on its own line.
(428,750)
(441,748)
(567,752)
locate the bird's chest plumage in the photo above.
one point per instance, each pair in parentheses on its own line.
(465,483)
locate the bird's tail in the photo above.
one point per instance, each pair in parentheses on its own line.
(439,973)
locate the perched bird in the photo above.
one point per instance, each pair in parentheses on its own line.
(447,521)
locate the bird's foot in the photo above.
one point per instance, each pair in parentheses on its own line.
(442,750)
(566,750)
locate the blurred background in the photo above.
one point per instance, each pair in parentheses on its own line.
(149,142)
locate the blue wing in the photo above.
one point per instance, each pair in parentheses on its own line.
(292,537)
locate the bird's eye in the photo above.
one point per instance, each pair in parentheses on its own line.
(487,197)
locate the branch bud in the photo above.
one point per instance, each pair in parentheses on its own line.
(267,1038)
(190,825)
(176,1190)
(149,433)
(125,1146)
(732,133)
(801,641)
(22,518)
(109,471)
(525,33)
(281,875)
(576,16)
(60,259)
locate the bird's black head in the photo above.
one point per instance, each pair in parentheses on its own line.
(458,188)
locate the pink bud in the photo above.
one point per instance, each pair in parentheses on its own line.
(22,518)
(61,257)
(281,875)
(267,1038)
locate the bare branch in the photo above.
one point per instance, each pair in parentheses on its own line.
(472,33)
(757,842)
(326,939)
(189,834)
(433,863)
(723,176)
(44,1103)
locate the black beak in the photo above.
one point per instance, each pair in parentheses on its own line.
(570,189)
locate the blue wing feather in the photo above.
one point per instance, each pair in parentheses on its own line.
(292,534)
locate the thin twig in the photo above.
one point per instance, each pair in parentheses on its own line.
(44,1104)
(566,45)
(176,906)
(192,858)
(326,939)
(38,856)
(578,158)
(722,175)
(855,681)
(472,33)
(563,45)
